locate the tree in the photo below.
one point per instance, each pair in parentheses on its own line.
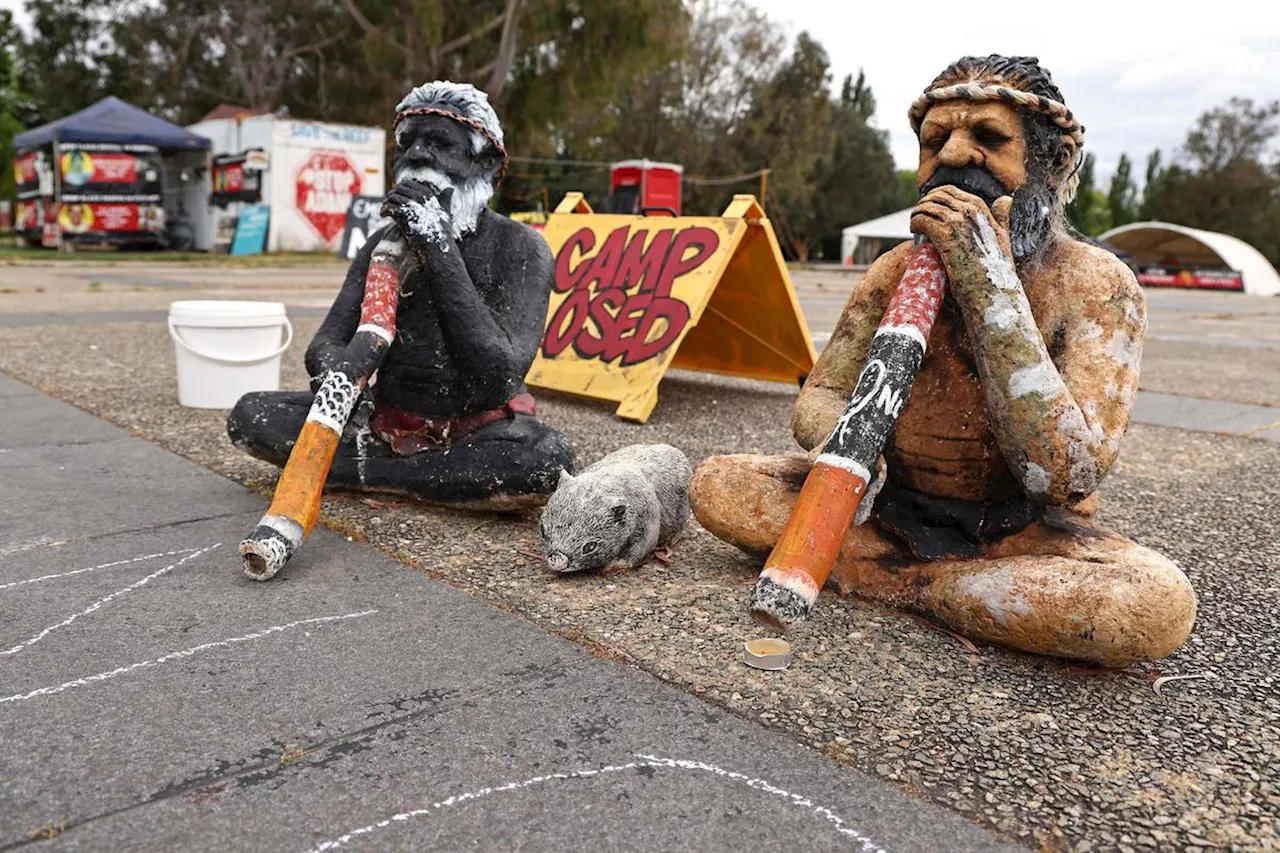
(1151,186)
(1088,212)
(857,182)
(1226,176)
(857,96)
(11,101)
(789,130)
(1122,195)
(59,65)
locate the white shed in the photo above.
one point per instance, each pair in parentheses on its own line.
(1171,255)
(864,242)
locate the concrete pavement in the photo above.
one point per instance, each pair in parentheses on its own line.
(152,698)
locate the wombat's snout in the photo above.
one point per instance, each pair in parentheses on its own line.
(557,561)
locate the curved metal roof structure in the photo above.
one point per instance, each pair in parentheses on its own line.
(1163,243)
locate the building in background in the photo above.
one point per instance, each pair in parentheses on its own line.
(1168,255)
(861,244)
(307,173)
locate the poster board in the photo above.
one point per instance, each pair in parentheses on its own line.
(635,296)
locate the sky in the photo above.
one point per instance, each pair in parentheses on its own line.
(1137,73)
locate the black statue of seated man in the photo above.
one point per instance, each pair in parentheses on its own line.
(448,419)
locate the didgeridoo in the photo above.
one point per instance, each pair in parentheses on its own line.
(805,554)
(295,507)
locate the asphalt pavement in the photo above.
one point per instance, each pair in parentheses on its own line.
(152,698)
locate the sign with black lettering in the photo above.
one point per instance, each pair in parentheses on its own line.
(363,218)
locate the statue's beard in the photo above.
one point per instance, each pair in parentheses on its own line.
(469,199)
(1030,217)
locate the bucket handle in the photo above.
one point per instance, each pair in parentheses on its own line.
(177,339)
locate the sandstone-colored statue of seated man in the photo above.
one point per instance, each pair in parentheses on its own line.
(983,519)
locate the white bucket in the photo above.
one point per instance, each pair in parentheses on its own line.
(226,349)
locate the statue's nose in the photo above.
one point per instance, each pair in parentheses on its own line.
(557,561)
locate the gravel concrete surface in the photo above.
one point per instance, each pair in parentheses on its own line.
(1060,757)
(188,708)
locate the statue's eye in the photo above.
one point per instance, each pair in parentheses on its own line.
(590,547)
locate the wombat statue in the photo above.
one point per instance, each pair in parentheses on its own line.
(617,511)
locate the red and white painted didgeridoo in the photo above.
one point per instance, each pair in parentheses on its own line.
(295,507)
(805,554)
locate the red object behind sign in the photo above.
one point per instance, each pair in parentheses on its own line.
(326,182)
(655,186)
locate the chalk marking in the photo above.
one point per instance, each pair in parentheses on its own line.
(185,653)
(652,761)
(42,542)
(95,568)
(92,607)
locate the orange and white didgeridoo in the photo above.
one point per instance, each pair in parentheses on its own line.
(295,506)
(803,558)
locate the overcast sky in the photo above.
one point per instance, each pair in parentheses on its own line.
(1136,72)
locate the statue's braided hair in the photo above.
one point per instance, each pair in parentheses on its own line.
(1023,83)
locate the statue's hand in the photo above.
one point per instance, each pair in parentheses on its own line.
(962,226)
(421,211)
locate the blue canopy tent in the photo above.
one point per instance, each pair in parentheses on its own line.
(112,120)
(117,204)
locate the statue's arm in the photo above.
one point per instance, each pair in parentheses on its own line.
(498,337)
(1058,418)
(326,348)
(827,391)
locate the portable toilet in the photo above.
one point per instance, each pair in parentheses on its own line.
(645,187)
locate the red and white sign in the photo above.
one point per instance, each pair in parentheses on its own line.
(325,184)
(115,169)
(24,170)
(1207,279)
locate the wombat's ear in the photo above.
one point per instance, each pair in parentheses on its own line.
(565,477)
(619,514)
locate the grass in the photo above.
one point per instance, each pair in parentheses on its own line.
(11,253)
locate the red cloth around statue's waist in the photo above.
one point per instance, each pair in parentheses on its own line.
(408,433)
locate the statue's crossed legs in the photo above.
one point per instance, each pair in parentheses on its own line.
(1062,586)
(508,464)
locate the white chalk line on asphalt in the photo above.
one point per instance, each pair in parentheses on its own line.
(185,653)
(18,548)
(141,559)
(651,761)
(101,601)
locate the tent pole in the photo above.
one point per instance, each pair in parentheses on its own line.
(57,192)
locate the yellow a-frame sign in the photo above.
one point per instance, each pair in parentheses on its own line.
(636,295)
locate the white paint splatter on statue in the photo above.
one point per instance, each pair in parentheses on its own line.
(995,590)
(999,271)
(1123,350)
(1036,480)
(1042,379)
